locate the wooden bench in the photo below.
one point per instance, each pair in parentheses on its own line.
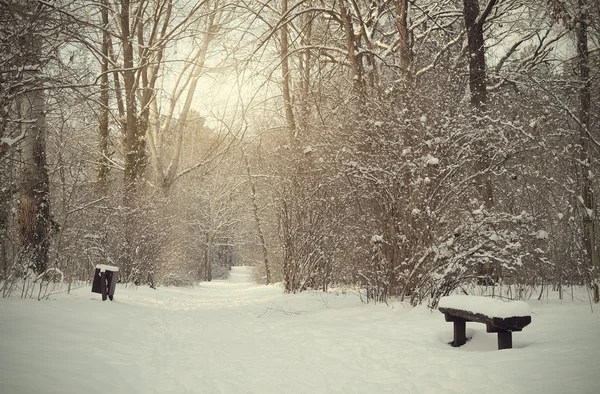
(499,316)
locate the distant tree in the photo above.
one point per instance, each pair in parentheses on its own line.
(578,16)
(257,219)
(588,198)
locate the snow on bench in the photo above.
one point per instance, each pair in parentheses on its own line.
(486,305)
(499,316)
(104,267)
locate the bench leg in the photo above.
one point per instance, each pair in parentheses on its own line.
(504,340)
(460,332)
(103,285)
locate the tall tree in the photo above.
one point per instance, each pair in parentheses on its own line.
(34,199)
(259,230)
(589,213)
(145,30)
(579,16)
(286,76)
(165,122)
(103,134)
(404,52)
(474,22)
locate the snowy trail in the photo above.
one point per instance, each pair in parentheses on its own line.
(236,337)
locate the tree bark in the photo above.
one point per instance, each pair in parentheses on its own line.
(133,147)
(474,24)
(285,75)
(474,21)
(261,236)
(103,120)
(209,256)
(401,21)
(305,71)
(34,200)
(133,142)
(352,49)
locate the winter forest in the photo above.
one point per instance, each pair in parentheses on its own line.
(404,148)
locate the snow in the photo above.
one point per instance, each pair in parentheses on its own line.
(491,307)
(12,141)
(376,239)
(236,337)
(432,161)
(104,267)
(541,234)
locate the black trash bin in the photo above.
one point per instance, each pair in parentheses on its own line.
(105,280)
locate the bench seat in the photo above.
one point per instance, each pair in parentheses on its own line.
(499,316)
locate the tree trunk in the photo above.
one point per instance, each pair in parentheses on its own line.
(403,35)
(285,75)
(474,24)
(258,225)
(103,120)
(352,50)
(209,256)
(4,223)
(134,146)
(34,200)
(287,243)
(305,71)
(474,21)
(588,200)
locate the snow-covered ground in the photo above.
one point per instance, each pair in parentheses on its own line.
(235,337)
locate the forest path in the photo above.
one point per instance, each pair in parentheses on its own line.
(235,291)
(239,275)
